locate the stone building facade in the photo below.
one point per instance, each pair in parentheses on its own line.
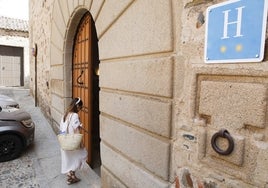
(160,104)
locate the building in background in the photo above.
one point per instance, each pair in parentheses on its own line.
(14,52)
(152,104)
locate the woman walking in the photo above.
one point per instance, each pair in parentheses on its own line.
(72,160)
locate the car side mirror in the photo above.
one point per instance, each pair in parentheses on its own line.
(0,109)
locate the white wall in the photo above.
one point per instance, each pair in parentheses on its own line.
(19,42)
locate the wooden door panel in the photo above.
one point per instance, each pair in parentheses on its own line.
(82,76)
(86,77)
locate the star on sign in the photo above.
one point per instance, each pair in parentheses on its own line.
(239,48)
(223,49)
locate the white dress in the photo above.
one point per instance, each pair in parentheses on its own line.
(72,160)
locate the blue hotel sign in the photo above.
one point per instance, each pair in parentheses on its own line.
(235,31)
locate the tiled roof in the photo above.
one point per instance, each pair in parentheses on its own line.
(13,24)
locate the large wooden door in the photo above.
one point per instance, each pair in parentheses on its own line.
(82,76)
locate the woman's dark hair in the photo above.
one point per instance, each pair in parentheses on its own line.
(74,106)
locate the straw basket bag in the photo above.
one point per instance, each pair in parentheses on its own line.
(69,141)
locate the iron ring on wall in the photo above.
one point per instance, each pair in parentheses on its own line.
(224,134)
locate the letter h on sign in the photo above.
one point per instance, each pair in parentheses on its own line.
(238,23)
(235,31)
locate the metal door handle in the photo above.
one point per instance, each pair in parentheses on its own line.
(79,77)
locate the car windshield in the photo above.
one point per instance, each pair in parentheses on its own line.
(7,102)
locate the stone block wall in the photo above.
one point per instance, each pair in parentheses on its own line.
(137,105)
(160,103)
(40,34)
(219,96)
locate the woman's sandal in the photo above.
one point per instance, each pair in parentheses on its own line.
(71,178)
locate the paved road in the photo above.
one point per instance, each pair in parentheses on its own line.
(39,165)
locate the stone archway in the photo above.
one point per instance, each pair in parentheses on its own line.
(88,89)
(65,21)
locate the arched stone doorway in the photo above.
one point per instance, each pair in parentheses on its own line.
(82,80)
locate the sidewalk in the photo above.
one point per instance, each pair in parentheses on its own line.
(45,152)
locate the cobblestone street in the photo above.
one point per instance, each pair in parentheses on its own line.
(39,165)
(19,172)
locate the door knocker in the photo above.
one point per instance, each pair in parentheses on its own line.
(79,77)
(224,134)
